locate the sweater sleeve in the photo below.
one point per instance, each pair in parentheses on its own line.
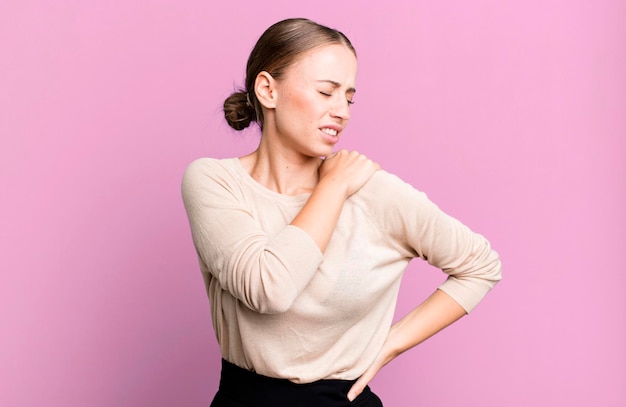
(421,229)
(266,273)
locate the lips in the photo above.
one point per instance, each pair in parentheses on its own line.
(329,131)
(330,134)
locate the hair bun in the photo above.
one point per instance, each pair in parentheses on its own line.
(238,111)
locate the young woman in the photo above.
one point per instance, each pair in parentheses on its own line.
(302,248)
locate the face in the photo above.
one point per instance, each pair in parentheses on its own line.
(312,101)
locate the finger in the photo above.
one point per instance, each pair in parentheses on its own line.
(356,389)
(331,155)
(359,385)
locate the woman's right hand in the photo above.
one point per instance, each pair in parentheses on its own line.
(349,169)
(340,175)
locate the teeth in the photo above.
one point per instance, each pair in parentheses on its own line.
(330,131)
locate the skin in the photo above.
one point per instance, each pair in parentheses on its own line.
(295,156)
(313,94)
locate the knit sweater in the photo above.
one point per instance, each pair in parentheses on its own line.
(282,308)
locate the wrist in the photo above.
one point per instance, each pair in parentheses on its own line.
(332,185)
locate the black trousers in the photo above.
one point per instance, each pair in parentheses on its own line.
(242,388)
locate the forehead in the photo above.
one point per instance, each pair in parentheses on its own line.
(334,62)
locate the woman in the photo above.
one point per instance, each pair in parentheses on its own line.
(302,249)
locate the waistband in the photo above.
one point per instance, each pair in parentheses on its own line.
(254,390)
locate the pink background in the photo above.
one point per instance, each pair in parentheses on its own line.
(511,115)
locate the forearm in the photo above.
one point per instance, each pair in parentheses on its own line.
(340,175)
(319,216)
(434,314)
(431,316)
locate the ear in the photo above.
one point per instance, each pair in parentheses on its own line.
(265,90)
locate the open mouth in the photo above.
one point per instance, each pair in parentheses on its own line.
(330,132)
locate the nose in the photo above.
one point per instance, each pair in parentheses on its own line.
(340,108)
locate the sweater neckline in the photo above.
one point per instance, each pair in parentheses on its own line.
(249,180)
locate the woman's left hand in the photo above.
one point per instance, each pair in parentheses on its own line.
(384,357)
(435,313)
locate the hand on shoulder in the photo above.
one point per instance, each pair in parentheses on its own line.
(350,169)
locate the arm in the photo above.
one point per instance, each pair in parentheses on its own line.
(265,271)
(341,174)
(431,316)
(418,228)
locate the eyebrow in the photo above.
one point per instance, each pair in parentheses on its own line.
(337,85)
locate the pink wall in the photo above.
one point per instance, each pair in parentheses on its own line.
(509,114)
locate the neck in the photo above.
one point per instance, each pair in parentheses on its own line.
(282,171)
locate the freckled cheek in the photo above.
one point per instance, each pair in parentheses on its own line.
(304,108)
(301,101)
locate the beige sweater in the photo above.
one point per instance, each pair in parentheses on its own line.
(282,308)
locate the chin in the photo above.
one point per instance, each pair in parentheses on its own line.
(325,153)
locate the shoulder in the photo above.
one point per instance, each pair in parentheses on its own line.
(384,186)
(208,166)
(209,175)
(206,169)
(390,199)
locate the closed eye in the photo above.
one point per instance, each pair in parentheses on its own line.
(349,92)
(350,102)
